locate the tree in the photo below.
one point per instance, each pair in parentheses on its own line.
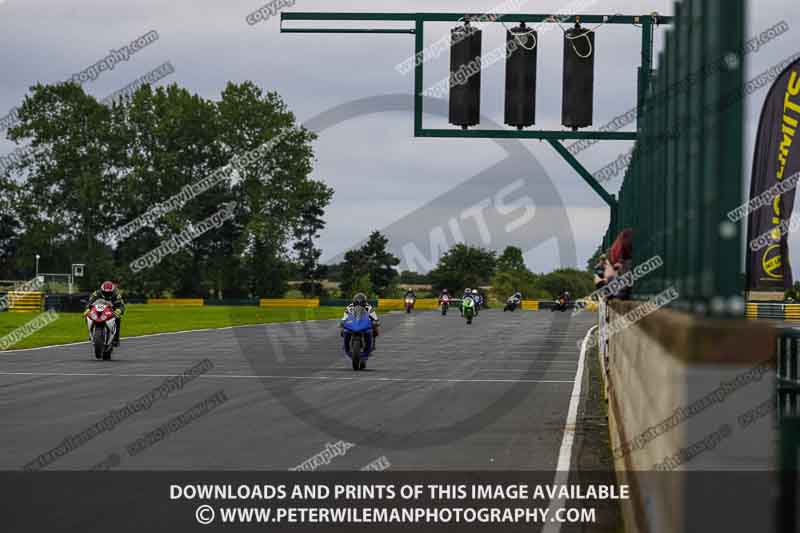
(410,277)
(353,271)
(381,263)
(374,260)
(463,266)
(67,179)
(274,189)
(315,196)
(10,229)
(363,285)
(93,168)
(512,276)
(334,272)
(511,260)
(310,271)
(579,283)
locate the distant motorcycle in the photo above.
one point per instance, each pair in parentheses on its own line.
(358,337)
(562,304)
(410,301)
(468,308)
(102,326)
(444,302)
(512,304)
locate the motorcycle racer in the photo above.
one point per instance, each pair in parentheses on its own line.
(563,301)
(360,300)
(468,309)
(478,299)
(409,299)
(467,294)
(110,293)
(444,295)
(513,301)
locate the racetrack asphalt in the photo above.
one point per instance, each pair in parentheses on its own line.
(437,395)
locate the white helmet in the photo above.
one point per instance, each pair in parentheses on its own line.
(474,291)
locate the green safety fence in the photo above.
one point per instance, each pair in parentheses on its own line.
(788,414)
(686,171)
(789,479)
(788,373)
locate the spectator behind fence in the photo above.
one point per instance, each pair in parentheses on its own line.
(600,271)
(620,261)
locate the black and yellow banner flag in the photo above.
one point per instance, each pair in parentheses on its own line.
(775,165)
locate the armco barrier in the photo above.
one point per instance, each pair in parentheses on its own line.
(664,380)
(67,303)
(546,304)
(26,302)
(337,302)
(233,301)
(541,305)
(289,302)
(175,301)
(388,304)
(772,311)
(342,302)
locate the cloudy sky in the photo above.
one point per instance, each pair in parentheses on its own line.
(383,177)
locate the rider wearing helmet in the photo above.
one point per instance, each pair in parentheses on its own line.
(478,300)
(360,300)
(514,301)
(110,293)
(467,294)
(564,299)
(443,294)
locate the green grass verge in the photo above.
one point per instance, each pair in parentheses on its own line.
(148,319)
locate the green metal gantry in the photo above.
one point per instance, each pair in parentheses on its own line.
(647,24)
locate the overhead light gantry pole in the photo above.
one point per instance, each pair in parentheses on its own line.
(647,24)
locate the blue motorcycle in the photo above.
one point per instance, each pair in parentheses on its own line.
(358,338)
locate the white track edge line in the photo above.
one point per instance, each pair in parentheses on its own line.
(565,453)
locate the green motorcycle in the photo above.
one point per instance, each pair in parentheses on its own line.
(468,309)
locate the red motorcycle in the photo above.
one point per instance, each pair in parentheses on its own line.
(102,324)
(444,301)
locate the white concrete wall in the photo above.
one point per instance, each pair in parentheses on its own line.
(647,385)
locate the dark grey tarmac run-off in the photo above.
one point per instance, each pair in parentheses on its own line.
(428,373)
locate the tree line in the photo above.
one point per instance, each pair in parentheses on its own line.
(93,168)
(371,270)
